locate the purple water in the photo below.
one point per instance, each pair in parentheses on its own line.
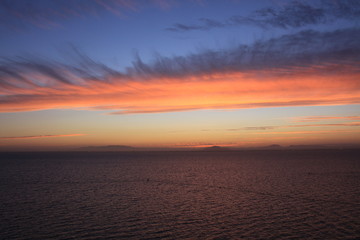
(312,194)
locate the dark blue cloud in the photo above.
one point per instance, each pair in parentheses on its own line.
(303,49)
(292,15)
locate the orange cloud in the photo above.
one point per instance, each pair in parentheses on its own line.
(229,90)
(42,136)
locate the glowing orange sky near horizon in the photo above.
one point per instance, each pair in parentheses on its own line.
(188,134)
(307,86)
(237,90)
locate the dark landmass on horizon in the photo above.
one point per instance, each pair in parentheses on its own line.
(215,148)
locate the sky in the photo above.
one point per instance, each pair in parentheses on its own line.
(178,73)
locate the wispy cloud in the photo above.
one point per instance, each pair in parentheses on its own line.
(263,128)
(204,24)
(322,118)
(41,136)
(352,124)
(299,50)
(260,128)
(305,132)
(293,14)
(257,128)
(292,70)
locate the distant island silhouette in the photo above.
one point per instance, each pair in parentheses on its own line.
(216,149)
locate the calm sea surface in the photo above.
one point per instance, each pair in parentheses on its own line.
(181,195)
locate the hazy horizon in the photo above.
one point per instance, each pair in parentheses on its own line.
(121,148)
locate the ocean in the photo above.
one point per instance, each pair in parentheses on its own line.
(267,194)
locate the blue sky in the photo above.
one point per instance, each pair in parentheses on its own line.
(114,38)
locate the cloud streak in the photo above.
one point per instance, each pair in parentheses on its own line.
(41,136)
(322,118)
(294,14)
(304,132)
(300,50)
(253,128)
(303,69)
(263,128)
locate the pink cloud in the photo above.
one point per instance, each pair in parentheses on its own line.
(42,136)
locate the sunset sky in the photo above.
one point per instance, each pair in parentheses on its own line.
(178,73)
